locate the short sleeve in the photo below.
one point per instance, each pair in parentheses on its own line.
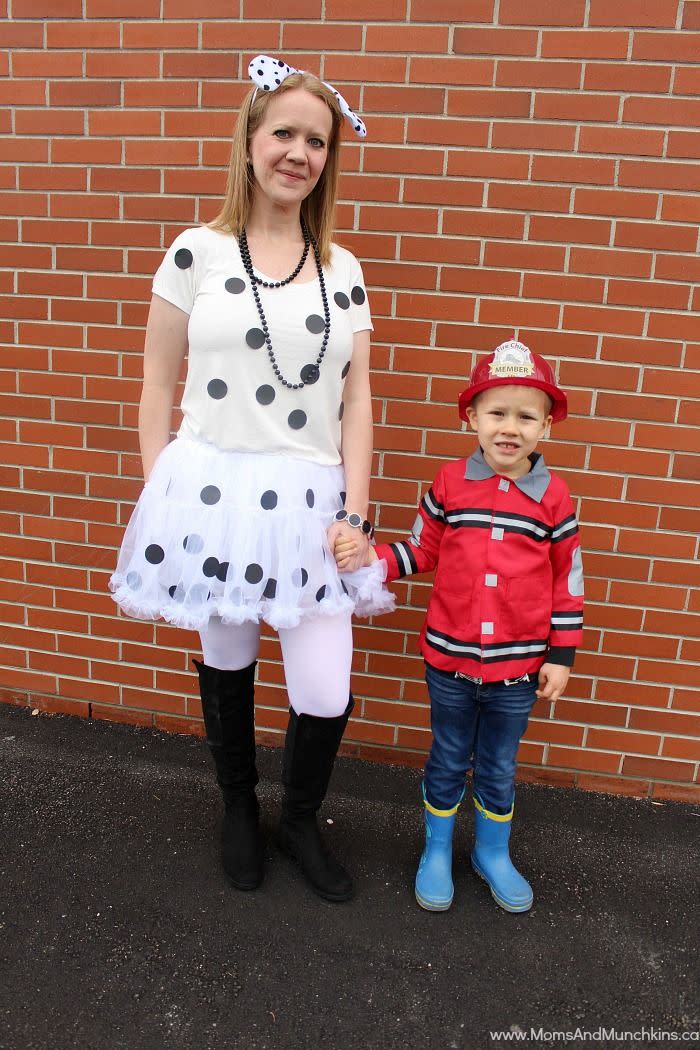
(174,279)
(360,316)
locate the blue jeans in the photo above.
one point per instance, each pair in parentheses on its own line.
(475,726)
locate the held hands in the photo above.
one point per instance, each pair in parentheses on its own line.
(352,550)
(552,681)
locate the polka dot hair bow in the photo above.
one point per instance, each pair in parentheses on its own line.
(268,73)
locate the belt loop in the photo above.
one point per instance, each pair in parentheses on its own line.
(514,681)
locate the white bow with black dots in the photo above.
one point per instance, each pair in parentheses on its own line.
(268,73)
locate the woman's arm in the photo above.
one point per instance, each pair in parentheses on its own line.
(356,445)
(164,350)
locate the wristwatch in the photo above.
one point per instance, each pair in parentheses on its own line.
(356,521)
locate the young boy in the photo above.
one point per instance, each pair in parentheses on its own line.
(504,617)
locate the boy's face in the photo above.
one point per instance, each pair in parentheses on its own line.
(509,421)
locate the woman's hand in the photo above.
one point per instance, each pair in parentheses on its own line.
(350,547)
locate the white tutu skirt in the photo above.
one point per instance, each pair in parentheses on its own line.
(238,535)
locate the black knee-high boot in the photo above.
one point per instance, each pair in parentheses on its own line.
(229,718)
(309,754)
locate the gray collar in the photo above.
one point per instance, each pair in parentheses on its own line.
(534,484)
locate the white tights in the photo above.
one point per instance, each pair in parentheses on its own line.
(317,656)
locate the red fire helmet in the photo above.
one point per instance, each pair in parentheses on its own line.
(512,364)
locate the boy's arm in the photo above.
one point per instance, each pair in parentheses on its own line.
(418,553)
(566,628)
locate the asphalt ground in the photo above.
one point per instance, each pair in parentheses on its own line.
(118,930)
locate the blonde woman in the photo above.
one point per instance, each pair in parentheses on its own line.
(240,512)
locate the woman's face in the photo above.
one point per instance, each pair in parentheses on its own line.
(288,150)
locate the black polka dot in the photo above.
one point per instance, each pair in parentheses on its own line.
(342,300)
(154,553)
(210,495)
(217,389)
(345,371)
(358,295)
(270,588)
(193,543)
(222,571)
(234,285)
(255,338)
(315,324)
(300,577)
(177,592)
(343,496)
(341,410)
(133,580)
(265,395)
(183,258)
(254,573)
(310,498)
(342,584)
(268,500)
(321,593)
(297,419)
(309,374)
(210,567)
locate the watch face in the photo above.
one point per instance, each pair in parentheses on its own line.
(341,515)
(366,527)
(355,520)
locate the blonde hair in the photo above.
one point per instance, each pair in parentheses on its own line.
(318,209)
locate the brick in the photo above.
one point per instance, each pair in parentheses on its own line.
(412,39)
(609,262)
(133,122)
(122,8)
(614,76)
(677,572)
(471,41)
(169,94)
(573,170)
(639,13)
(47,9)
(49,122)
(492,103)
(84,93)
(542,13)
(687,467)
(657,768)
(442,191)
(47,64)
(553,105)
(681,438)
(583,43)
(588,760)
(451,11)
(294,9)
(687,80)
(631,141)
(137,64)
(447,132)
(533,136)
(619,740)
(524,256)
(666,47)
(522,73)
(657,236)
(322,37)
(403,100)
(528,198)
(82,34)
(163,35)
(658,175)
(562,288)
(364,68)
(683,144)
(648,294)
(569,230)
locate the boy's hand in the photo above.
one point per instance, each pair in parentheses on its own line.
(347,549)
(552,681)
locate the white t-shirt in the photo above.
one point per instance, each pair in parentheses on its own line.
(232,397)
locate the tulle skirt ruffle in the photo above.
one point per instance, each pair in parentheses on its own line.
(238,535)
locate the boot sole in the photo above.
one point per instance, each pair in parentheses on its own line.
(245,886)
(427,905)
(335,898)
(513,909)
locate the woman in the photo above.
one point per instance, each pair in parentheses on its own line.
(240,512)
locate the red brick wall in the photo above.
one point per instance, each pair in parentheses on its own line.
(531,168)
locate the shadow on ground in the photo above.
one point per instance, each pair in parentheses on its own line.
(117,929)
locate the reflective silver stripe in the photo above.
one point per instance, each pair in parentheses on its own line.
(564,528)
(453,647)
(402,553)
(432,506)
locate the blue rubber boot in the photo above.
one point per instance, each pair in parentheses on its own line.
(491,860)
(434,888)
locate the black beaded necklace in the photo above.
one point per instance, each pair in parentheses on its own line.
(309,373)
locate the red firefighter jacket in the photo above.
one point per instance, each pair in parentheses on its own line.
(508,591)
